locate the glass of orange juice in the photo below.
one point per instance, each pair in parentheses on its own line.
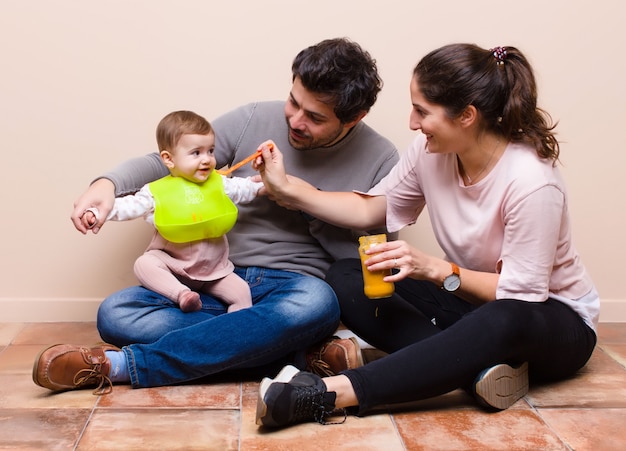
(373,284)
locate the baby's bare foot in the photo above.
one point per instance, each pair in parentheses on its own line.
(189,301)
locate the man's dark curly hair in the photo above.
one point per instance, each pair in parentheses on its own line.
(343,73)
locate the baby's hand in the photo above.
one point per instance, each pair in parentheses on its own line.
(101,194)
(90,217)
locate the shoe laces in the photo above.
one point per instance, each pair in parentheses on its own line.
(320,367)
(317,365)
(311,404)
(88,376)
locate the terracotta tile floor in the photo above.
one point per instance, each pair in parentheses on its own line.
(587,412)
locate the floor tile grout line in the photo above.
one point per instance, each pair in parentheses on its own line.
(610,354)
(548,425)
(240,422)
(84,428)
(396,430)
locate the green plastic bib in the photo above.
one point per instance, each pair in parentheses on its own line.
(186,211)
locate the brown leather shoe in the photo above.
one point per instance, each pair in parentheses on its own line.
(68,367)
(334,356)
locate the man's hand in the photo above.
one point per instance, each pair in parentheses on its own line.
(101,196)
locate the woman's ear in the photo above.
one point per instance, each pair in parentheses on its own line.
(167,159)
(469,116)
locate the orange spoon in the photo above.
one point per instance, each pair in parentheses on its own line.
(242,162)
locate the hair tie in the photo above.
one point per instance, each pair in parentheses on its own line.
(499,54)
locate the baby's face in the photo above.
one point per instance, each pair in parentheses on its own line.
(193,157)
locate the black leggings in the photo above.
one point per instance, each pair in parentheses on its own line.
(438,342)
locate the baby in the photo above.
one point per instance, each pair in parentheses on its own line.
(191,209)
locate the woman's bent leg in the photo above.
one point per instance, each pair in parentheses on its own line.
(550,336)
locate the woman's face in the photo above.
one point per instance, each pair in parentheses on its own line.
(442,133)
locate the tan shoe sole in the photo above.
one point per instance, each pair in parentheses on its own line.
(502,385)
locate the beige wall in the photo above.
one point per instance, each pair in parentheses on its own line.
(83,85)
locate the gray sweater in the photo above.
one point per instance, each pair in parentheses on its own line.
(266,234)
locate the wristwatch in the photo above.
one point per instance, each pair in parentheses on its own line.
(452,282)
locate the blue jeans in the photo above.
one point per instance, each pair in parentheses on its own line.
(165,346)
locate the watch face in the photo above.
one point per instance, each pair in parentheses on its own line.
(452,282)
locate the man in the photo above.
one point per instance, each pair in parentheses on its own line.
(282,254)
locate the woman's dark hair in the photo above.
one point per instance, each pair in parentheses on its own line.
(499,83)
(343,73)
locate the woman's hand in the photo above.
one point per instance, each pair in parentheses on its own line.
(405,259)
(101,196)
(476,287)
(275,179)
(271,168)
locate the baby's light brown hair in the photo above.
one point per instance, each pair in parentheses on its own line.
(177,124)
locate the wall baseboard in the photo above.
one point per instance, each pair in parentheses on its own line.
(48,310)
(71,310)
(613,310)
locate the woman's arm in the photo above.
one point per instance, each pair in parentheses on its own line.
(353,210)
(343,209)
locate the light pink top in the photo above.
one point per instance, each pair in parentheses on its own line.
(514,222)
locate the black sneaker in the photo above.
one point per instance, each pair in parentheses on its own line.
(500,386)
(294,396)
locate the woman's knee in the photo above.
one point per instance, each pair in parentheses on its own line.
(342,269)
(345,278)
(503,320)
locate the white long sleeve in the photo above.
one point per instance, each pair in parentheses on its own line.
(140,204)
(241,190)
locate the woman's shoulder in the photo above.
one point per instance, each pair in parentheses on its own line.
(523,169)
(523,160)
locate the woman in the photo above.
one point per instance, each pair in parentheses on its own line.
(510,300)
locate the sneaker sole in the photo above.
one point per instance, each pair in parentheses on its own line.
(285,375)
(502,385)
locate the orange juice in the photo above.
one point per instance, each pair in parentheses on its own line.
(373,284)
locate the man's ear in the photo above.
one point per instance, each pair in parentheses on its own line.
(469,116)
(167,159)
(356,121)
